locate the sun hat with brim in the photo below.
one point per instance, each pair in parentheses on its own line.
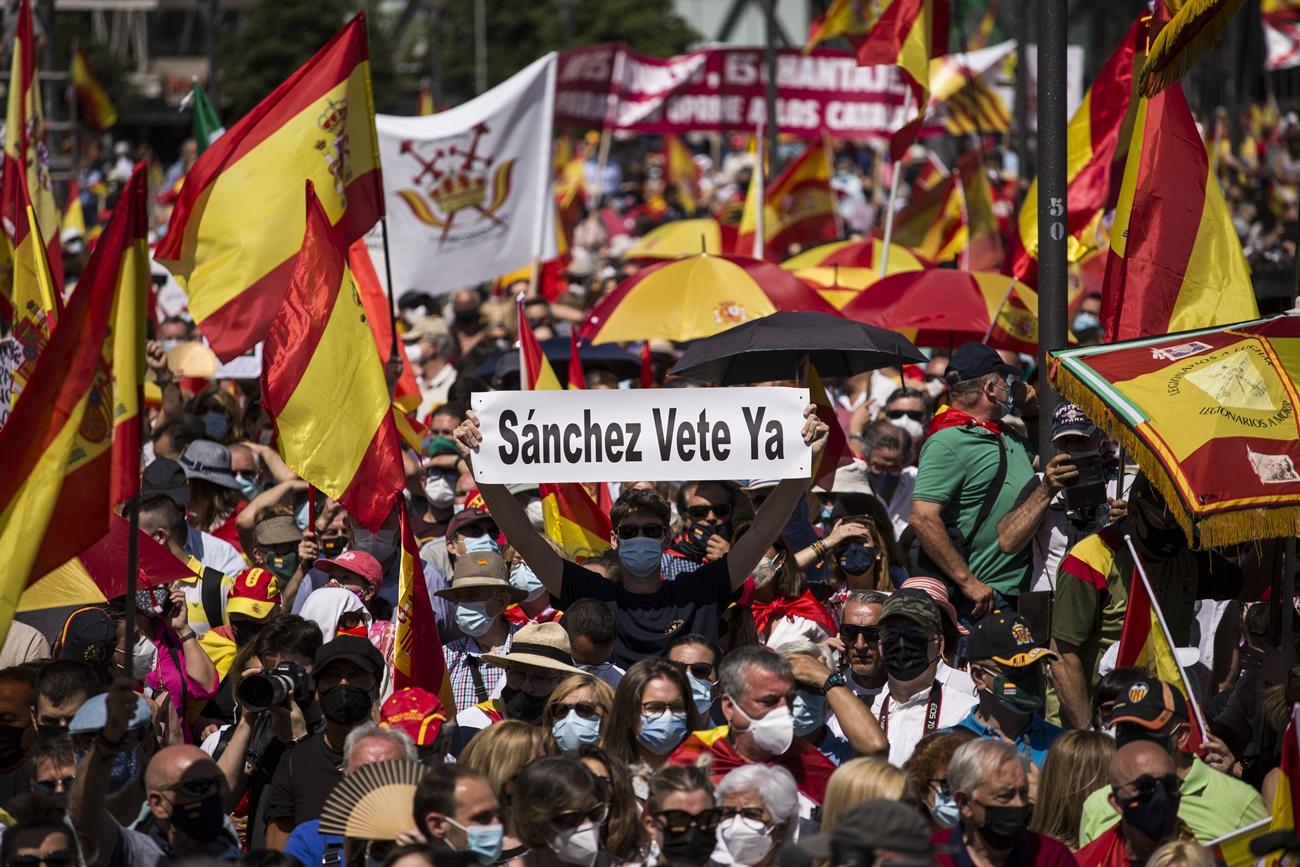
(539,645)
(1004,638)
(481,569)
(938,591)
(204,459)
(254,593)
(277,530)
(874,824)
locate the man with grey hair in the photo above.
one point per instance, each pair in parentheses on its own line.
(989,781)
(826,713)
(758,689)
(858,642)
(367,744)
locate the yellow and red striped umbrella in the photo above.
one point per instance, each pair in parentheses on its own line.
(838,286)
(856,254)
(683,238)
(696,297)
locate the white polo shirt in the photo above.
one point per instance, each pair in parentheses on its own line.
(905,725)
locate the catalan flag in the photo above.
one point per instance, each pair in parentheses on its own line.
(908,34)
(850,19)
(26,174)
(323,381)
(317,126)
(1175,259)
(798,207)
(1092,140)
(1145,642)
(417,650)
(962,89)
(681,171)
(99,111)
(571,517)
(58,444)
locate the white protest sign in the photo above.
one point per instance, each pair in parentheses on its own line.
(641,435)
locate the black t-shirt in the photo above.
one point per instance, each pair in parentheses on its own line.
(303,781)
(647,622)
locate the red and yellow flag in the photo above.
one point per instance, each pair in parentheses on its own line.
(59,444)
(851,19)
(417,651)
(908,34)
(837,452)
(1093,141)
(681,171)
(233,237)
(933,222)
(798,207)
(1286,797)
(323,381)
(1175,259)
(26,172)
(571,516)
(32,300)
(99,111)
(983,248)
(577,376)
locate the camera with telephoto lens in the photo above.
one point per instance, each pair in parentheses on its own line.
(267,689)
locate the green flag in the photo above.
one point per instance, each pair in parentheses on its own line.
(207,126)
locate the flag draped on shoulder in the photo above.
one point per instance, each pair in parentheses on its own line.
(59,442)
(323,381)
(233,237)
(26,172)
(99,111)
(908,34)
(418,660)
(1092,141)
(1175,259)
(798,208)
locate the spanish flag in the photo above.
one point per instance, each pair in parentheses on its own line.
(571,516)
(1286,797)
(681,171)
(933,222)
(1175,259)
(58,444)
(1233,850)
(417,650)
(26,175)
(323,381)
(907,35)
(1092,141)
(798,207)
(983,249)
(577,376)
(99,110)
(30,295)
(851,19)
(233,237)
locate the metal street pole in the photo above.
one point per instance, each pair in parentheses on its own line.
(769,58)
(480,46)
(436,9)
(1051,205)
(1022,100)
(566,23)
(210,45)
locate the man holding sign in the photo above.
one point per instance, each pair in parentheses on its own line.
(650,611)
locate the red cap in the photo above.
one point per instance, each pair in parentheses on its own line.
(357,563)
(254,593)
(474,500)
(415,711)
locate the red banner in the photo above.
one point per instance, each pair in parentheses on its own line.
(722,90)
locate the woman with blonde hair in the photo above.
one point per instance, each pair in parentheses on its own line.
(1181,853)
(575,714)
(500,750)
(1075,767)
(859,780)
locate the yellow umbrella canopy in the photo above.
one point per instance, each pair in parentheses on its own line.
(856,254)
(678,238)
(838,286)
(695,297)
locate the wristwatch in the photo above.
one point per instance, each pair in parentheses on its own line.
(836,679)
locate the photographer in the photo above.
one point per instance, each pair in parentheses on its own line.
(268,725)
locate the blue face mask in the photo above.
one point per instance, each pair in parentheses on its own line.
(702,692)
(640,556)
(1085,321)
(663,733)
(857,558)
(483,840)
(1009,405)
(945,810)
(169,345)
(573,732)
(215,424)
(481,544)
(809,712)
(472,618)
(826,512)
(300,516)
(248,486)
(525,579)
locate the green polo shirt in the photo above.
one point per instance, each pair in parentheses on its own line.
(1213,804)
(956,468)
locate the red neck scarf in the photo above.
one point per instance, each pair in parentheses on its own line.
(953,417)
(804,605)
(810,769)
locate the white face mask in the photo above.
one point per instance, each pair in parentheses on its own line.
(535,517)
(913,427)
(438,491)
(773,733)
(746,842)
(580,846)
(144,657)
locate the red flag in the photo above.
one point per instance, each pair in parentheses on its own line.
(577,377)
(417,650)
(647,367)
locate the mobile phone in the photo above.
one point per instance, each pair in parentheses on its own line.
(1089,488)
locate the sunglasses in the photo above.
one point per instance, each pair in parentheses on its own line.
(699,513)
(631,531)
(913,414)
(680,821)
(702,670)
(576,818)
(850,633)
(752,815)
(584,709)
(197,787)
(54,859)
(1144,785)
(63,784)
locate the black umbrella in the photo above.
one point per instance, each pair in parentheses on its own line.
(773,347)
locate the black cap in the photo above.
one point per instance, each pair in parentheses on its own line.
(1151,704)
(89,635)
(165,477)
(973,360)
(875,824)
(354,649)
(1004,637)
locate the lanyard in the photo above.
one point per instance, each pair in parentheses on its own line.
(932,707)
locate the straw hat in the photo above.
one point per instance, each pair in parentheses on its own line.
(540,645)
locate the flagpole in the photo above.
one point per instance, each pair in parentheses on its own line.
(1164,627)
(388,279)
(760,206)
(897,168)
(133,519)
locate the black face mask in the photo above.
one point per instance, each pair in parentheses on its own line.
(466,316)
(332,546)
(690,847)
(521,705)
(1004,827)
(906,656)
(201,820)
(857,558)
(346,704)
(11,746)
(1153,814)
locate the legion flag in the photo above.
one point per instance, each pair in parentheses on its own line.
(907,34)
(234,233)
(323,381)
(1175,259)
(798,207)
(468,190)
(98,109)
(417,649)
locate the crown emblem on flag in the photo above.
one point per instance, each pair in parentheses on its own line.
(459,190)
(334,117)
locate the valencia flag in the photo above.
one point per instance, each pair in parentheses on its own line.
(323,382)
(233,237)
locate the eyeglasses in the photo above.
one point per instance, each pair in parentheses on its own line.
(575,818)
(631,531)
(913,414)
(680,821)
(61,858)
(584,709)
(62,784)
(702,670)
(699,513)
(656,709)
(849,634)
(198,787)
